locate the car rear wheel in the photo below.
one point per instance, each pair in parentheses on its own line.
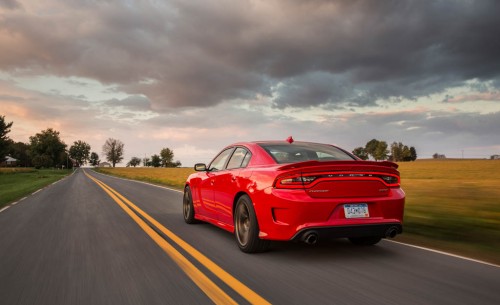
(365,241)
(187,206)
(246,227)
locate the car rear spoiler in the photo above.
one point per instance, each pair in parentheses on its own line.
(316,163)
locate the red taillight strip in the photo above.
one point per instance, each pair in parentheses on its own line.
(299,183)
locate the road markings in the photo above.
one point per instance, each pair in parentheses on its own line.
(4,209)
(207,286)
(445,253)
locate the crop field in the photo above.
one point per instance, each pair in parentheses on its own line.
(451,205)
(172,177)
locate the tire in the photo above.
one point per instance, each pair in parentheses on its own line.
(365,241)
(246,227)
(187,206)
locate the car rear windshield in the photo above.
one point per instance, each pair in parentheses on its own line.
(299,152)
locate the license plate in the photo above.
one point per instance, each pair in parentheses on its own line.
(356,210)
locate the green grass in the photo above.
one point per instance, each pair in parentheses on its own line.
(15,183)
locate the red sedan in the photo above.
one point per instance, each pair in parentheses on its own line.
(265,191)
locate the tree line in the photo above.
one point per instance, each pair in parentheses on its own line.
(380,150)
(46,150)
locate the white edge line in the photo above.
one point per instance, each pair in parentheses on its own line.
(14,203)
(445,253)
(5,208)
(23,198)
(138,181)
(36,192)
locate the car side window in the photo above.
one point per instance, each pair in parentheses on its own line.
(239,158)
(218,163)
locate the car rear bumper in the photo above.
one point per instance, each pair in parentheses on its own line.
(288,215)
(377,230)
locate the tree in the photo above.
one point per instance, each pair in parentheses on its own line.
(134,162)
(47,149)
(381,151)
(80,152)
(94,159)
(155,161)
(4,139)
(113,150)
(371,146)
(167,157)
(377,149)
(20,151)
(361,153)
(146,162)
(413,154)
(438,156)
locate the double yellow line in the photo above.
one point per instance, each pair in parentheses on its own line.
(215,293)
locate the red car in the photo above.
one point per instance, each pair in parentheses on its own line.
(302,191)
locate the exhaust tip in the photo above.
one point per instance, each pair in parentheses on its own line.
(391,232)
(310,238)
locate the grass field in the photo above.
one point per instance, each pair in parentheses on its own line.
(16,183)
(451,205)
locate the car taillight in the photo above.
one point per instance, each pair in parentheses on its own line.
(390,179)
(296,181)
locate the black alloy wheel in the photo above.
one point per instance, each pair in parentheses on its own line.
(187,206)
(246,227)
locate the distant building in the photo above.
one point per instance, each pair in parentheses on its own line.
(9,162)
(495,157)
(104,164)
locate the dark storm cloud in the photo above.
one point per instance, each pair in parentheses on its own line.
(299,53)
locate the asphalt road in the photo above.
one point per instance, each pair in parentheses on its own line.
(72,243)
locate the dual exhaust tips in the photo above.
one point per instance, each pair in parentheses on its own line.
(312,237)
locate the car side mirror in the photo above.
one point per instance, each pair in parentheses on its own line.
(200,167)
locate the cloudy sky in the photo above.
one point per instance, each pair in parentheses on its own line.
(195,76)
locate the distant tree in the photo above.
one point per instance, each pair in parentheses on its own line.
(438,156)
(146,162)
(377,149)
(155,161)
(413,154)
(94,159)
(47,149)
(381,151)
(113,150)
(361,153)
(80,152)
(371,146)
(167,157)
(4,139)
(134,162)
(20,151)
